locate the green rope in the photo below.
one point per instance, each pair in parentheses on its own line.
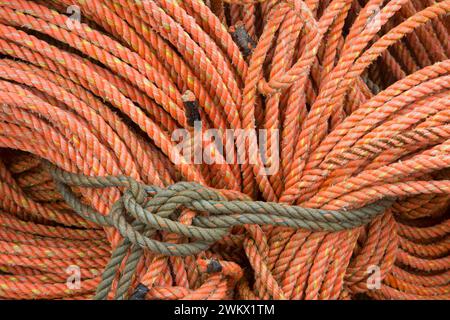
(152,208)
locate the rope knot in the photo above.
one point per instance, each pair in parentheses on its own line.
(143,210)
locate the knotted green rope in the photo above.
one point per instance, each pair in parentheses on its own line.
(151,208)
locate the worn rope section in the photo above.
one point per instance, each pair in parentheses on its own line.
(116,163)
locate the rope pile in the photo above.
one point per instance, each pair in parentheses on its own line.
(91,176)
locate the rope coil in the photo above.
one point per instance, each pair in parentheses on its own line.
(353,96)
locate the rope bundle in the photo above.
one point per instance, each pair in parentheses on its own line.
(358,90)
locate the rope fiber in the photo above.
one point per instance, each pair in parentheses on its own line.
(119,179)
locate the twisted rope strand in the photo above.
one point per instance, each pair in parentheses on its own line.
(116,158)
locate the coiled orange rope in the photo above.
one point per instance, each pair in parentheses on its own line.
(358,90)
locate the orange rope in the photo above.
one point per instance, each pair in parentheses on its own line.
(357,89)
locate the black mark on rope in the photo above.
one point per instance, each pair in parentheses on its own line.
(214,266)
(192,107)
(139,293)
(242,39)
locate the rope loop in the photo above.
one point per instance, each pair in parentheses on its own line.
(303,64)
